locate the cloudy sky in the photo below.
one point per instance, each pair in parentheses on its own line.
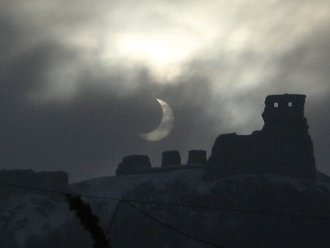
(79,79)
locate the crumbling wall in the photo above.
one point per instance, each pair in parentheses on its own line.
(171,158)
(282,147)
(133,164)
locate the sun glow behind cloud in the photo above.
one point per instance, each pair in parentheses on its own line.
(236,44)
(164,53)
(213,61)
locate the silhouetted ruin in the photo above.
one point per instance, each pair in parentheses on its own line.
(197,157)
(133,164)
(171,158)
(171,161)
(282,147)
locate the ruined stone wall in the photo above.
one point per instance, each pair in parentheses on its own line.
(171,161)
(197,157)
(133,164)
(282,147)
(171,158)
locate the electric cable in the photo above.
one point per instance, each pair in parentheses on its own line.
(170,227)
(186,205)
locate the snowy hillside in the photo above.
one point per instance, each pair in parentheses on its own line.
(241,211)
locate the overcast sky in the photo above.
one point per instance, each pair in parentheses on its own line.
(79,79)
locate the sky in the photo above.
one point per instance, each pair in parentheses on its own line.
(79,79)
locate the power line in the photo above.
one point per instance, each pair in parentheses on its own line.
(113,218)
(27,187)
(116,210)
(186,205)
(170,227)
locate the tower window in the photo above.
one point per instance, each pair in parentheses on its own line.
(275,104)
(290,104)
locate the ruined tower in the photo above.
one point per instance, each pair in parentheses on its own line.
(285,113)
(197,157)
(171,158)
(289,146)
(282,147)
(133,164)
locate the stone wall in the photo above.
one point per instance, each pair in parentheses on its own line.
(133,164)
(171,158)
(197,157)
(282,147)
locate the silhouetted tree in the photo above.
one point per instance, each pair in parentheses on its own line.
(88,220)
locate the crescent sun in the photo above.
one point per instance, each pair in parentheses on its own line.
(165,126)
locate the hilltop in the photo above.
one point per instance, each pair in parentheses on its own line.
(237,211)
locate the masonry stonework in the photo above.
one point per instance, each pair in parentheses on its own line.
(282,147)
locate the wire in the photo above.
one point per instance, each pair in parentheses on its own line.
(33,188)
(116,210)
(186,205)
(238,210)
(170,227)
(113,218)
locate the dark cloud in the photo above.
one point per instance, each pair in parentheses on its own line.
(64,108)
(88,133)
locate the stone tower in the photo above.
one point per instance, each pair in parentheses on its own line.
(288,144)
(284,112)
(282,147)
(170,158)
(197,157)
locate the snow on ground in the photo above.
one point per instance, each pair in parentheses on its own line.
(26,215)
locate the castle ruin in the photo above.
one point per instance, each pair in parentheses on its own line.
(282,147)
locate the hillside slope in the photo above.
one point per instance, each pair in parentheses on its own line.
(241,211)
